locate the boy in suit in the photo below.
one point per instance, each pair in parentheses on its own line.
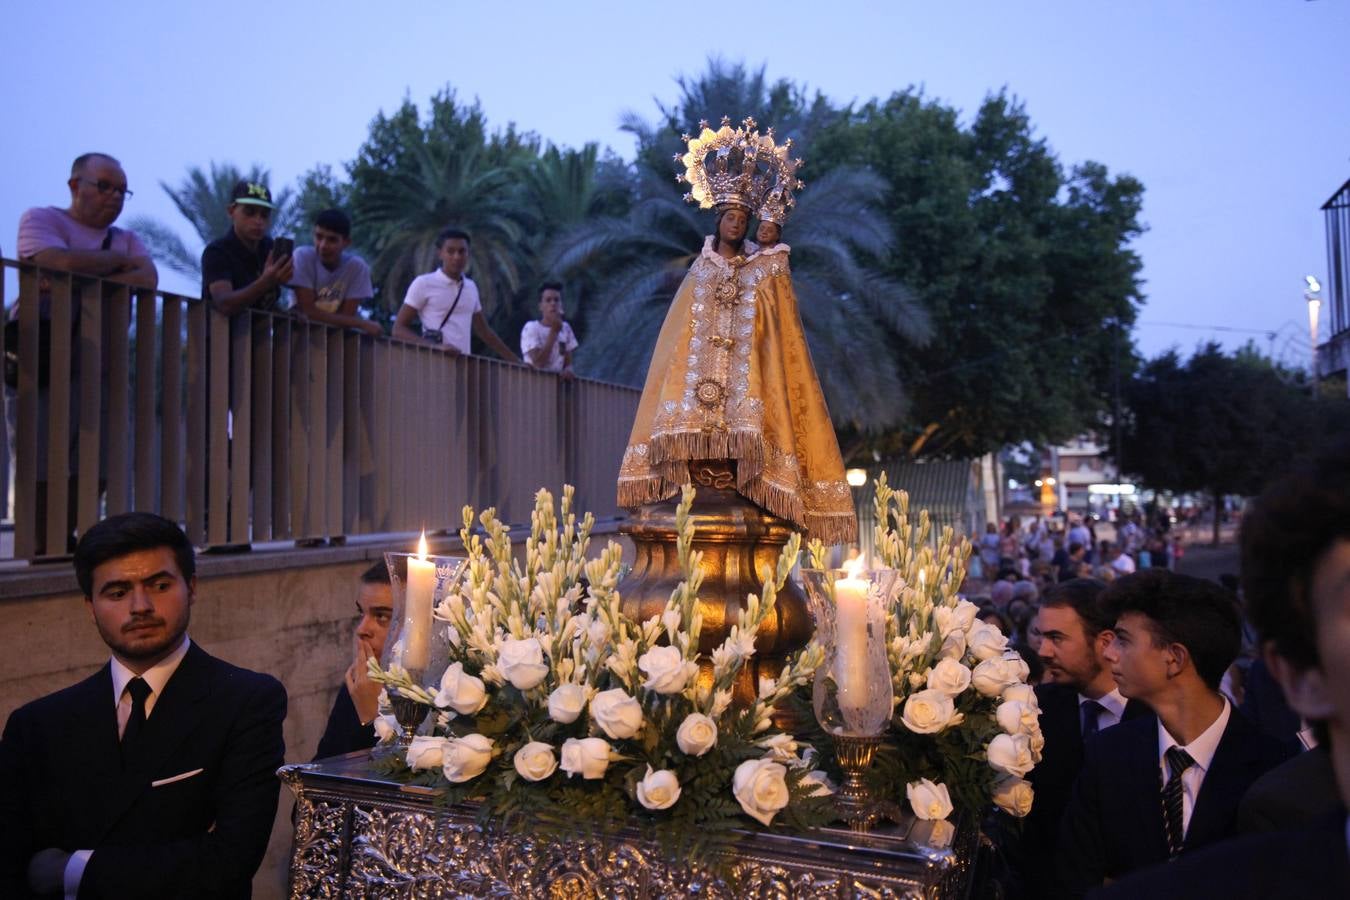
(1296,583)
(1153,789)
(155,777)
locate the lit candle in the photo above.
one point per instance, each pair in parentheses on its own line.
(850,669)
(417,615)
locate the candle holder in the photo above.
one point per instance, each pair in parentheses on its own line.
(410,715)
(852,696)
(418,641)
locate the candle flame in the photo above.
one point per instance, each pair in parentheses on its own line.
(422,545)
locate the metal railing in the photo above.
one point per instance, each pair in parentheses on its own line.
(265,426)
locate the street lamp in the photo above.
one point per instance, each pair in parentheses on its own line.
(1313,294)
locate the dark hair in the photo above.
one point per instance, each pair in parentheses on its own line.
(126,533)
(1200,615)
(1289,529)
(1074,547)
(378,573)
(550,286)
(334,220)
(450,234)
(1084,597)
(83,159)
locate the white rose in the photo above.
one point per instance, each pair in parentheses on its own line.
(945,620)
(929,800)
(617,714)
(535,761)
(426,752)
(466,757)
(1022,693)
(566,703)
(1018,664)
(965,613)
(666,669)
(386,728)
(953,645)
(659,789)
(522,662)
(985,641)
(927,712)
(760,786)
(949,676)
(587,757)
(461,692)
(697,734)
(1037,743)
(1011,753)
(1013,795)
(1017,718)
(992,676)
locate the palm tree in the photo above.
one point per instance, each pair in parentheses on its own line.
(856,319)
(412,180)
(203,199)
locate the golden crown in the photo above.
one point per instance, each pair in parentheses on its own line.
(740,167)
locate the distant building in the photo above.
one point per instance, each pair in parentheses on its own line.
(1084,476)
(1333,357)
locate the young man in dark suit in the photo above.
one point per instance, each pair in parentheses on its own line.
(155,777)
(1296,583)
(351,721)
(1080,701)
(1153,789)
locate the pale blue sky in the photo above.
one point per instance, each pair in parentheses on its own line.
(1233,113)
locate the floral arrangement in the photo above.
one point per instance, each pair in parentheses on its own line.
(558,710)
(965,730)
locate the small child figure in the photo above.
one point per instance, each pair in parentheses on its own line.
(767,234)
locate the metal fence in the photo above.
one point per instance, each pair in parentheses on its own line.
(265,426)
(1337,213)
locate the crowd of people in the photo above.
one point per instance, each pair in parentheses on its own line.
(248,268)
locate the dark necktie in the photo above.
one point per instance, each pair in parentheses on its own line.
(1091,710)
(139,691)
(1178,761)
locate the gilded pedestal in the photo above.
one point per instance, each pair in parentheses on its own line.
(740,544)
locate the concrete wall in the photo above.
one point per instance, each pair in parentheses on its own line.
(289,613)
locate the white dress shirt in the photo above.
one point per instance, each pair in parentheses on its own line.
(157,676)
(1201,750)
(1112,711)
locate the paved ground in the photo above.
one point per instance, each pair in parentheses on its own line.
(1204,561)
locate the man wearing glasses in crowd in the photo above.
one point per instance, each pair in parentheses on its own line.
(239,270)
(81,238)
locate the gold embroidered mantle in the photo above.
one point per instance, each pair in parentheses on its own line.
(731,378)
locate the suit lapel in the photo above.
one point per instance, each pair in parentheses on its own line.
(177,713)
(94,758)
(1228,778)
(1145,789)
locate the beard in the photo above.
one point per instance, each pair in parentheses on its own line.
(148,639)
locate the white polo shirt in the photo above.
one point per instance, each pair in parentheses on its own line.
(433,295)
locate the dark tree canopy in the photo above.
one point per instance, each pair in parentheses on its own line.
(1222,424)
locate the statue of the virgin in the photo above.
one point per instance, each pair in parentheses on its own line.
(731,379)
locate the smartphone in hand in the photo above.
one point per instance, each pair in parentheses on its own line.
(283,247)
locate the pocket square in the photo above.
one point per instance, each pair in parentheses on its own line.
(173,778)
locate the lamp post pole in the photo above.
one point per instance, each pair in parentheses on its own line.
(1313,294)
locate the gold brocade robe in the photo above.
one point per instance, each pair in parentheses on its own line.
(731,378)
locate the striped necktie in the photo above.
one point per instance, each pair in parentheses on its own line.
(1178,761)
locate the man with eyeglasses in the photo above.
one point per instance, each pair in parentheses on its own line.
(239,271)
(81,238)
